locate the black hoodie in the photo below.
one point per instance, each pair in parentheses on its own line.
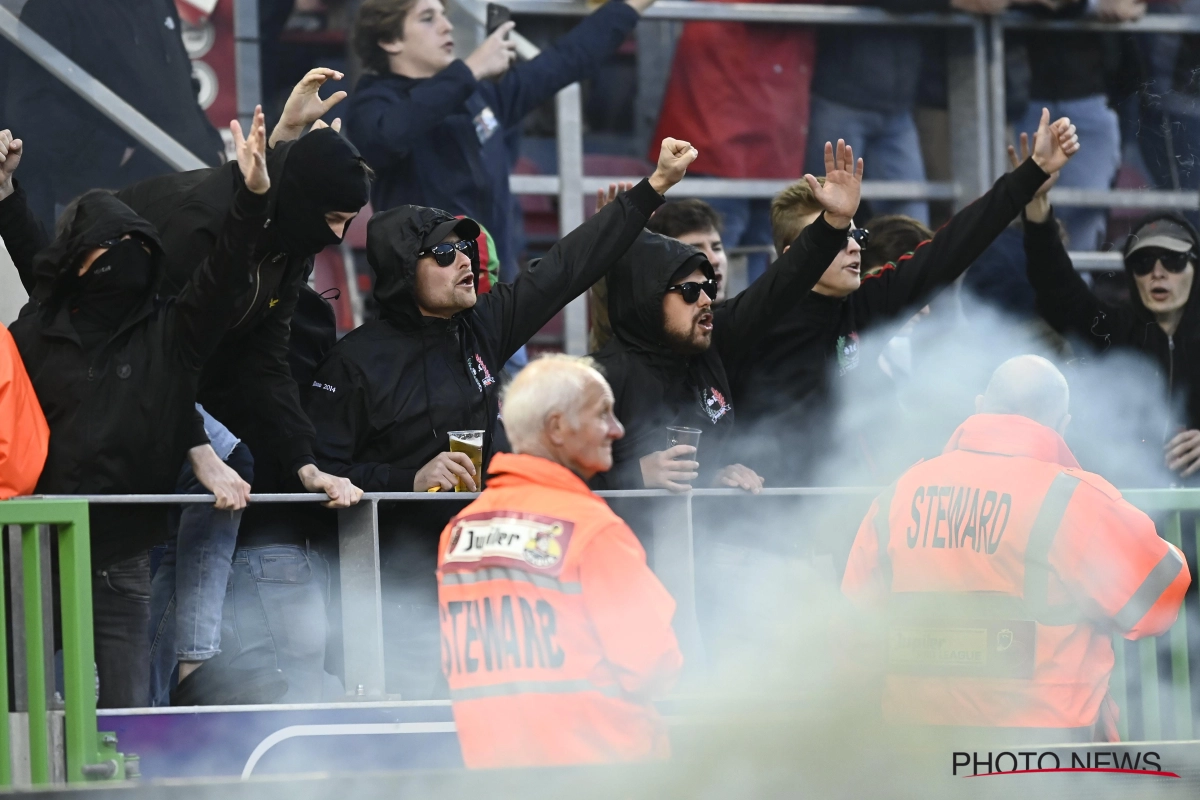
(119,412)
(1065,301)
(247,384)
(654,387)
(387,395)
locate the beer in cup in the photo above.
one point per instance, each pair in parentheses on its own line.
(471,443)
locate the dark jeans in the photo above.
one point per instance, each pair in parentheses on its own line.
(121,614)
(275,618)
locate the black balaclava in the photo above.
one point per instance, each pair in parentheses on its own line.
(116,282)
(323,173)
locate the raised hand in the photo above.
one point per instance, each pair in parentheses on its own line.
(1038,208)
(1054,144)
(10,157)
(493,58)
(603,198)
(843,184)
(674,157)
(304,105)
(252,152)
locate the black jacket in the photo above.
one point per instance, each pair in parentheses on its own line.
(1066,302)
(247,383)
(783,387)
(387,395)
(655,388)
(444,141)
(132,46)
(119,415)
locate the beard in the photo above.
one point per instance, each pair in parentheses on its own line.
(688,343)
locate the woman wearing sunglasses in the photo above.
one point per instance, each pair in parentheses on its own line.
(1160,320)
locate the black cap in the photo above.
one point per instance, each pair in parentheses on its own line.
(466,228)
(1163,233)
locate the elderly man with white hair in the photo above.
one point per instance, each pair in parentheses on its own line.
(555,634)
(1003,570)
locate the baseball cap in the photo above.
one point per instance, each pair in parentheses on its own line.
(466,228)
(1166,234)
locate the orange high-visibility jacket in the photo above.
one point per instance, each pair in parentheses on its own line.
(24,434)
(555,633)
(1002,569)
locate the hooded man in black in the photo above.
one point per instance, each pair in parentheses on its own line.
(1161,321)
(388,394)
(115,368)
(667,359)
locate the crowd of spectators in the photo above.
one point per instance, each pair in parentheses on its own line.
(175,344)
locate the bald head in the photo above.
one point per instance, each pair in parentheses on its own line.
(1029,386)
(560,408)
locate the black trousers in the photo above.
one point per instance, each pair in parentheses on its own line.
(120,620)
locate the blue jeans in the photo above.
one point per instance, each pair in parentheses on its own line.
(745,222)
(189,586)
(275,618)
(887,143)
(1093,167)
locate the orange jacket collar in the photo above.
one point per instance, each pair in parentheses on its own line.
(512,469)
(1011,435)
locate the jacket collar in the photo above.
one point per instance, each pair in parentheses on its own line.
(511,470)
(1011,435)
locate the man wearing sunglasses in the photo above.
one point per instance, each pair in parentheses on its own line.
(1160,320)
(667,359)
(387,396)
(785,386)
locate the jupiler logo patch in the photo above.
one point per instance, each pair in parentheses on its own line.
(508,539)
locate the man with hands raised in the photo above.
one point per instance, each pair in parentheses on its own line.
(386,397)
(666,360)
(440,131)
(116,368)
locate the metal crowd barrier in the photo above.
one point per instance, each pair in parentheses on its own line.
(1156,680)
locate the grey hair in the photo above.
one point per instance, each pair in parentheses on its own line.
(1029,386)
(551,384)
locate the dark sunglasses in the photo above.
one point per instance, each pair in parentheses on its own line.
(860,235)
(690,291)
(444,253)
(1142,262)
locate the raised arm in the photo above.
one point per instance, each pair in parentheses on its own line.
(21,231)
(740,322)
(939,262)
(516,311)
(305,106)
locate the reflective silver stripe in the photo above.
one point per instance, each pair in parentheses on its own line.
(1164,572)
(884,533)
(509,574)
(532,687)
(1037,551)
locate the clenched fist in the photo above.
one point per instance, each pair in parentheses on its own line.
(674,157)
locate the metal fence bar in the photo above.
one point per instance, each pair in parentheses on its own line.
(1117,686)
(568,108)
(99,96)
(967,100)
(35,665)
(997,111)
(246,57)
(1147,199)
(757,12)
(362,599)
(1181,694)
(5,752)
(737,187)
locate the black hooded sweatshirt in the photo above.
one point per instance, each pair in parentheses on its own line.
(784,387)
(1069,306)
(247,384)
(387,395)
(120,404)
(653,386)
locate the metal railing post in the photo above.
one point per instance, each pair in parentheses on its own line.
(1181,694)
(569,112)
(35,664)
(247,59)
(674,564)
(362,599)
(967,98)
(998,117)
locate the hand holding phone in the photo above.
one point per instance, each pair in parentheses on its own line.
(497,15)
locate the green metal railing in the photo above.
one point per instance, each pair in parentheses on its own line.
(90,754)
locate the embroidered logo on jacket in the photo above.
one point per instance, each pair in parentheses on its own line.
(479,372)
(715,404)
(847,353)
(508,539)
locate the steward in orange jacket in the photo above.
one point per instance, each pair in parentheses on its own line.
(24,434)
(555,633)
(1002,569)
